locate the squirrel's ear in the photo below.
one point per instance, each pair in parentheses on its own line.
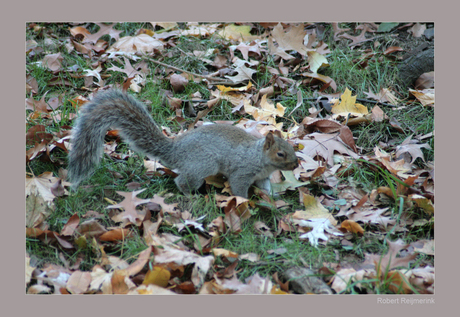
(269,141)
(278,133)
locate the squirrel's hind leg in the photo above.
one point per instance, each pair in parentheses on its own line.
(188,184)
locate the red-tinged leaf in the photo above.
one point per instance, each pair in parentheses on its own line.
(71,225)
(347,137)
(37,134)
(352,226)
(139,264)
(115,235)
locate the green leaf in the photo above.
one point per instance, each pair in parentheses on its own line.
(386,26)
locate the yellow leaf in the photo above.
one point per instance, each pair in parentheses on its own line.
(313,209)
(277,291)
(316,60)
(158,276)
(227,89)
(423,202)
(352,226)
(266,112)
(348,106)
(237,32)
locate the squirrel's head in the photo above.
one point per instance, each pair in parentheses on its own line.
(280,153)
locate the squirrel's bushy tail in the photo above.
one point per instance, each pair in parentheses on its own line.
(111,109)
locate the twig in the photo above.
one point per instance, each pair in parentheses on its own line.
(181,70)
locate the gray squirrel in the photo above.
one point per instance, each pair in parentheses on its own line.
(207,150)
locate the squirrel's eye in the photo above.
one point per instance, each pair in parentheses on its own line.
(280,154)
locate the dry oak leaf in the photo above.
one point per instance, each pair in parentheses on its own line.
(292,40)
(52,61)
(130,213)
(104,29)
(374,216)
(244,73)
(195,29)
(245,49)
(136,44)
(385,95)
(158,275)
(385,263)
(324,145)
(410,146)
(101,280)
(348,106)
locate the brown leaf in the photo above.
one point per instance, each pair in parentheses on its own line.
(130,213)
(385,263)
(324,145)
(71,225)
(352,227)
(115,235)
(425,81)
(78,282)
(52,61)
(178,82)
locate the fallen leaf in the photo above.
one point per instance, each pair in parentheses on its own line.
(348,106)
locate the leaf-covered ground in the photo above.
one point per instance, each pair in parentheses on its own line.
(357,215)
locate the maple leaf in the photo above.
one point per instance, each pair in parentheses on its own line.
(267,111)
(130,213)
(348,106)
